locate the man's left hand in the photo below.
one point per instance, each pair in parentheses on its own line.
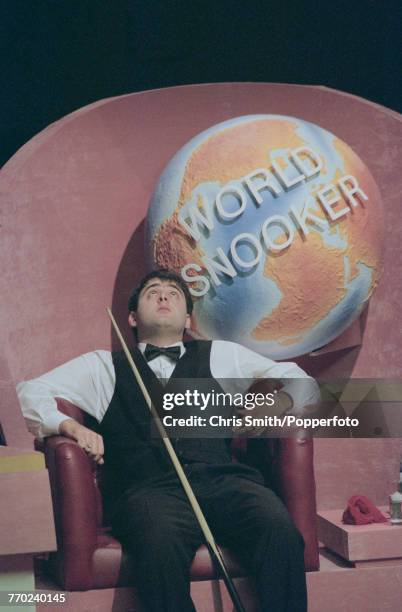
(283,402)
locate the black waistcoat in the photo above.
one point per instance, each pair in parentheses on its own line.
(132,453)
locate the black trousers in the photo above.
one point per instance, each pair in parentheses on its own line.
(155,521)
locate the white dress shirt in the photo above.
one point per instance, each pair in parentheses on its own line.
(88,382)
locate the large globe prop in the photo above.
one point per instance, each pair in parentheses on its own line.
(276,224)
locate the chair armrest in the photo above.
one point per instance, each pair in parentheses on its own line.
(75,511)
(288,467)
(294,467)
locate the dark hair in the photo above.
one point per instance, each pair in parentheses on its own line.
(162,274)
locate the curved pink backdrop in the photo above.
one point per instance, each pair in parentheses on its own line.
(74,199)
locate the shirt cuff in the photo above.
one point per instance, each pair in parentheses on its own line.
(53,423)
(304,392)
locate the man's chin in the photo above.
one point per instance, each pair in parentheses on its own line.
(164,327)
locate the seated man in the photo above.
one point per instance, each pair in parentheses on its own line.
(152,515)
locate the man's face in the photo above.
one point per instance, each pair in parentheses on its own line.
(161,309)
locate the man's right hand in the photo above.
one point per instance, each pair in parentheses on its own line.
(91,442)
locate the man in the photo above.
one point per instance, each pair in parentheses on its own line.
(152,514)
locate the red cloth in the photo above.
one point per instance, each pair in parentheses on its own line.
(361,511)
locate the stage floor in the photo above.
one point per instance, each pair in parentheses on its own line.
(337,587)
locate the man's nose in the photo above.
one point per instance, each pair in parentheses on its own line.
(162,297)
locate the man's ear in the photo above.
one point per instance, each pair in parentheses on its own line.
(132,319)
(187,324)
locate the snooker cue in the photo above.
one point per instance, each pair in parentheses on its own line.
(210,541)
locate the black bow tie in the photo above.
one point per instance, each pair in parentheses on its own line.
(151,352)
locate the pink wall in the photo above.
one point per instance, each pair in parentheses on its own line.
(345,467)
(75,197)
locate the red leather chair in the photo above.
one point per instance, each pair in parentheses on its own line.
(89,557)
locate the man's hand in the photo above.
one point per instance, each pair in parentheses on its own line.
(91,442)
(283,402)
